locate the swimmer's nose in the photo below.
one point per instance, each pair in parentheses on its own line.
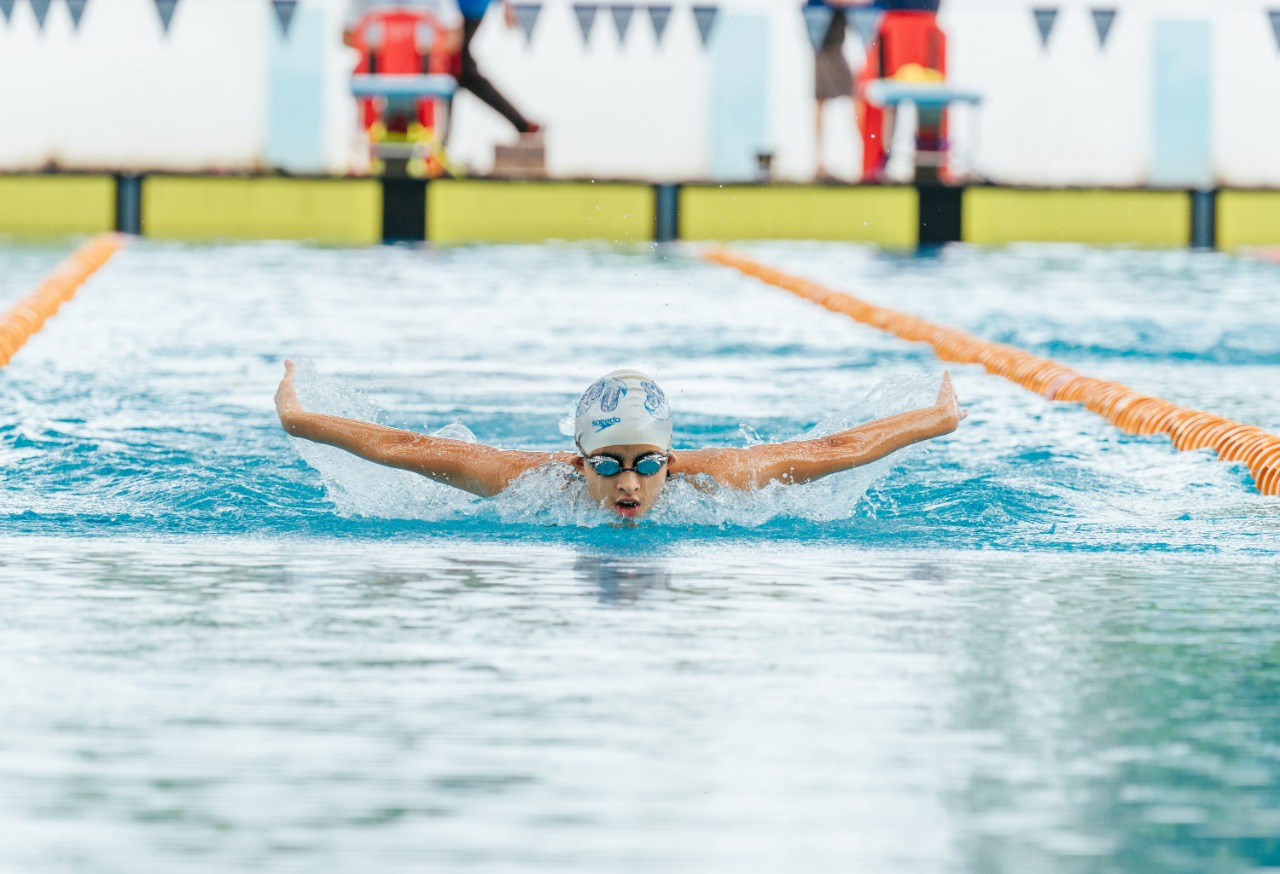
(628,481)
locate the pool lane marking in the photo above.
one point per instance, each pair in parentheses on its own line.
(1131,411)
(28,315)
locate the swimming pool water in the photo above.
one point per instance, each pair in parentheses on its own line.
(147,405)
(1038,644)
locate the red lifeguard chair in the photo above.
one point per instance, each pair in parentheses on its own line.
(909,47)
(408,66)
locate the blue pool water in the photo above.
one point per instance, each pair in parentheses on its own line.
(1037,644)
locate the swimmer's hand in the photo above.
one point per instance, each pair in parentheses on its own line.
(287,403)
(946,403)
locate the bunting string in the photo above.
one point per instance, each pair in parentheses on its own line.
(864,19)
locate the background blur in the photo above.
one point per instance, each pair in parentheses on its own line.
(1166,93)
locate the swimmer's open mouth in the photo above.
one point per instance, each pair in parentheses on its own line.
(625,505)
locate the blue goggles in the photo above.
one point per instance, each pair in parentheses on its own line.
(645,465)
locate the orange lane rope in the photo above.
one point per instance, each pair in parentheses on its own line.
(1131,411)
(29,314)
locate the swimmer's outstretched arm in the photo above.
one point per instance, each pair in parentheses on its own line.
(802,461)
(473,467)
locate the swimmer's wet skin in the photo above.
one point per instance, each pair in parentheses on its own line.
(622,430)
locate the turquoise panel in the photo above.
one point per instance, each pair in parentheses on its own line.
(1181,152)
(739,51)
(295,82)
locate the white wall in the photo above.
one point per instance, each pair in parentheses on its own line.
(1246,94)
(635,111)
(1073,114)
(117,95)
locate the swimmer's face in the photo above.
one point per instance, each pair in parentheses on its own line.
(627,494)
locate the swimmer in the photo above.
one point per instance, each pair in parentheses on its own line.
(622,432)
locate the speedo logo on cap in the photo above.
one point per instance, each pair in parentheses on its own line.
(601,424)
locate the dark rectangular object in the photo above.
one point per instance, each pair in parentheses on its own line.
(404,210)
(1204,219)
(940,214)
(129,204)
(666,219)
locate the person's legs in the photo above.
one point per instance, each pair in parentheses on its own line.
(474,81)
(832,80)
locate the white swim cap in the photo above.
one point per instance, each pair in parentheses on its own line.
(621,408)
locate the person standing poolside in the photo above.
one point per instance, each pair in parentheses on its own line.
(832,75)
(470,77)
(622,433)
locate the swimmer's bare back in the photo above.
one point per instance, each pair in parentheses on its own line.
(486,470)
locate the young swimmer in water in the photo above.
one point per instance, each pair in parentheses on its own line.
(622,430)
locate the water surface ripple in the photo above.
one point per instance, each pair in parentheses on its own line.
(291,705)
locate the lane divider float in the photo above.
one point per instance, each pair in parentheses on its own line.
(1129,410)
(28,315)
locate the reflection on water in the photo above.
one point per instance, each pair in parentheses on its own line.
(401,706)
(1142,708)
(620,579)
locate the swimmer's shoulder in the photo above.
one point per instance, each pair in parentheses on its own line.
(517,461)
(703,464)
(702,482)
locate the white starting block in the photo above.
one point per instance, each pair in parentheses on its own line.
(919,103)
(890,92)
(413,87)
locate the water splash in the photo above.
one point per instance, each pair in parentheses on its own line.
(750,436)
(556,496)
(894,394)
(360,488)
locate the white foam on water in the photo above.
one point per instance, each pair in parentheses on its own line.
(361,488)
(552,495)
